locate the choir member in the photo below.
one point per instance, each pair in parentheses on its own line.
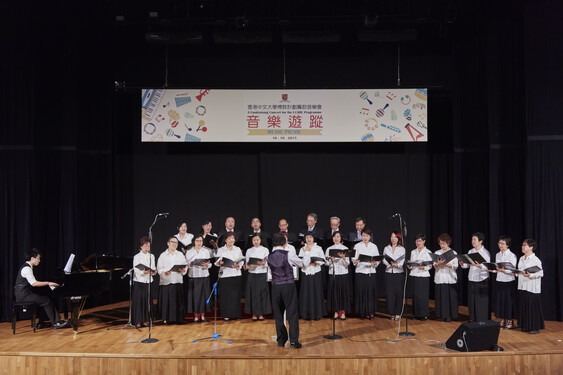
(419,278)
(171,299)
(198,259)
(505,296)
(445,280)
(229,278)
(229,228)
(257,295)
(206,229)
(365,298)
(334,227)
(478,289)
(312,228)
(256,228)
(338,293)
(26,282)
(284,293)
(311,292)
(394,275)
(283,226)
(141,280)
(360,224)
(529,289)
(184,238)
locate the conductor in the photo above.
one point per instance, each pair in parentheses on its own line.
(284,294)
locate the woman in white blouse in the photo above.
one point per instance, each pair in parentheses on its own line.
(311,293)
(505,296)
(184,238)
(257,292)
(142,279)
(199,288)
(338,292)
(445,280)
(171,298)
(394,275)
(365,283)
(229,284)
(478,285)
(419,278)
(529,288)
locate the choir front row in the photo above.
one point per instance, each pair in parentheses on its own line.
(179,294)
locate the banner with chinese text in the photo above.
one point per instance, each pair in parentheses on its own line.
(362,115)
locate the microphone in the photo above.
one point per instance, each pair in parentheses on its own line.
(165,214)
(394,215)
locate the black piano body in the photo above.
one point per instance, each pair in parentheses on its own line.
(98,274)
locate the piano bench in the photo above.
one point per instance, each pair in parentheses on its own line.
(23,307)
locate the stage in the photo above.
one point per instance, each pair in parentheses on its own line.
(101,347)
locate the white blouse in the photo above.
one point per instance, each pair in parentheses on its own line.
(197,270)
(371,250)
(508,256)
(146,259)
(187,240)
(340,265)
(423,255)
(399,250)
(445,274)
(224,252)
(166,260)
(477,274)
(257,252)
(530,284)
(311,268)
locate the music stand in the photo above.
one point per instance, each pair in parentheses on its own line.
(129,273)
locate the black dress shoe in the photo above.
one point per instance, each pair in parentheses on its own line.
(534,331)
(296,345)
(282,344)
(61,324)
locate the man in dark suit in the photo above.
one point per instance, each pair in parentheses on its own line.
(312,228)
(230,227)
(357,235)
(334,227)
(256,226)
(283,226)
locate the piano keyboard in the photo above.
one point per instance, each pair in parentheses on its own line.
(151,101)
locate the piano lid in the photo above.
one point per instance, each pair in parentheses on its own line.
(105,262)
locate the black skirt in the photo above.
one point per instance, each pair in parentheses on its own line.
(419,288)
(140,303)
(394,286)
(198,291)
(365,298)
(229,296)
(478,300)
(257,294)
(171,303)
(446,300)
(505,300)
(338,293)
(531,312)
(311,296)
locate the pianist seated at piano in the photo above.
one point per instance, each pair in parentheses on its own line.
(171,296)
(24,289)
(143,263)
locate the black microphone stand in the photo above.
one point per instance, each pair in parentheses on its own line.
(334,336)
(150,339)
(131,274)
(404,236)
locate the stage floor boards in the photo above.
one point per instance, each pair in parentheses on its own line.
(102,347)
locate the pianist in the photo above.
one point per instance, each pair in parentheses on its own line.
(25,282)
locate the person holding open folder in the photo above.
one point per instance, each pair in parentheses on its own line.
(230,259)
(478,290)
(505,296)
(445,280)
(199,260)
(529,287)
(171,267)
(257,295)
(338,291)
(394,274)
(365,298)
(143,263)
(419,278)
(311,293)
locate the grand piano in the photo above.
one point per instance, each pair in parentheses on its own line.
(97,274)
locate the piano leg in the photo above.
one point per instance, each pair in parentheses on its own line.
(77,306)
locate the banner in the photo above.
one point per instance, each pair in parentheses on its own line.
(362,115)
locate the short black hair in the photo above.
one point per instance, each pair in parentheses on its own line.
(531,243)
(421,236)
(33,253)
(279,239)
(368,231)
(506,239)
(480,236)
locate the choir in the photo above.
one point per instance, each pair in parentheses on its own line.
(349,282)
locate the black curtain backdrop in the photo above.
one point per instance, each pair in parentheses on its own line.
(75,178)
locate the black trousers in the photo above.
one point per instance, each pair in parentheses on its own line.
(478,300)
(284,298)
(42,301)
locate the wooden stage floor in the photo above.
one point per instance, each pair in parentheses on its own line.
(101,347)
